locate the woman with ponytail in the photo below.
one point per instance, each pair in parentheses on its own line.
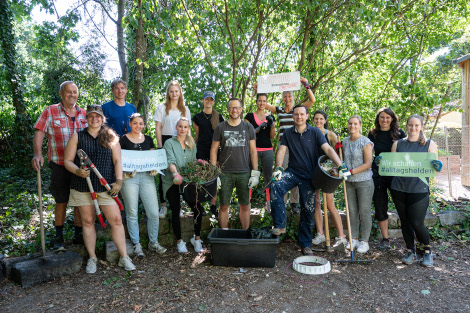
(166,116)
(204,124)
(411,194)
(101,144)
(181,150)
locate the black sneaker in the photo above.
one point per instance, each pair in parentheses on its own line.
(295,207)
(59,244)
(307,251)
(214,210)
(384,244)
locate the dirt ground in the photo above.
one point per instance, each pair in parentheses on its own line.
(189,283)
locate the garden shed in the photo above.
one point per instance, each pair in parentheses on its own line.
(464,64)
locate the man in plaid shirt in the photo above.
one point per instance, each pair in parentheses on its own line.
(59,122)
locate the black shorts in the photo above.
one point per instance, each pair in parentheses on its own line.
(60,182)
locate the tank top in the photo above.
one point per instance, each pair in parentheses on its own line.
(100,156)
(410,184)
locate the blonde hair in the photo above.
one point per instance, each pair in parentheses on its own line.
(422,137)
(189,141)
(180,105)
(356,116)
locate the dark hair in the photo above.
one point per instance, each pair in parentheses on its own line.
(118,81)
(233,99)
(324,115)
(135,115)
(261,94)
(394,127)
(422,137)
(300,106)
(106,136)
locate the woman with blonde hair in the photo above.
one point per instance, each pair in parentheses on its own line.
(166,116)
(180,151)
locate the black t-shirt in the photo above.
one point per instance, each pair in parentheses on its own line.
(203,121)
(126,144)
(383,142)
(263,140)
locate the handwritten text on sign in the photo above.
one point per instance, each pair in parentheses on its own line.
(407,164)
(143,161)
(279,82)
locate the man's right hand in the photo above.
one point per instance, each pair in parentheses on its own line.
(277,174)
(37,162)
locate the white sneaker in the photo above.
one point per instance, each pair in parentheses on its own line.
(362,247)
(126,262)
(181,213)
(355,243)
(163,212)
(138,250)
(91,265)
(340,243)
(319,238)
(197,244)
(181,246)
(157,248)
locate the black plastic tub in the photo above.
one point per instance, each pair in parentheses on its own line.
(235,247)
(204,193)
(324,181)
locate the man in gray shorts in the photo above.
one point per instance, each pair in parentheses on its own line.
(237,141)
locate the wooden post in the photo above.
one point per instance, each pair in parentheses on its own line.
(449,175)
(464,64)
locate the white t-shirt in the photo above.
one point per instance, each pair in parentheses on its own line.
(169,121)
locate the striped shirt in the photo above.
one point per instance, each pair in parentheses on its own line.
(286,120)
(59,127)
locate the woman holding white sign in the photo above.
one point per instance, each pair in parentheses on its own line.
(360,186)
(140,184)
(166,116)
(180,151)
(411,194)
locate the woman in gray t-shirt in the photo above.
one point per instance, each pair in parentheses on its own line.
(360,186)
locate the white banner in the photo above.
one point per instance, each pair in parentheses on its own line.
(279,82)
(144,161)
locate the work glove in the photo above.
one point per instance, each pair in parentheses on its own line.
(82,172)
(270,119)
(261,126)
(115,188)
(338,145)
(277,174)
(128,175)
(219,183)
(201,161)
(343,171)
(153,173)
(437,165)
(254,179)
(377,160)
(177,178)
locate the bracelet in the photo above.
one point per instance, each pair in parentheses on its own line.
(305,83)
(307,87)
(351,171)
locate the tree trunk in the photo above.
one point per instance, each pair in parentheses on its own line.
(139,57)
(120,42)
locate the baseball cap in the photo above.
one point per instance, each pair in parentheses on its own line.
(208,94)
(94,108)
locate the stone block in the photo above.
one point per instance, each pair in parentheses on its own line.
(35,271)
(430,220)
(451,218)
(395,233)
(8,263)
(393,220)
(80,249)
(112,254)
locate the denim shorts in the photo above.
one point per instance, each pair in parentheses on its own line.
(234,180)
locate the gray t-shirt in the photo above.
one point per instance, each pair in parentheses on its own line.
(234,143)
(354,157)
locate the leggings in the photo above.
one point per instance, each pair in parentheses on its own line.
(411,208)
(173,196)
(160,183)
(267,161)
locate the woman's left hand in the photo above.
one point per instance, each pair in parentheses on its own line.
(201,161)
(153,173)
(115,188)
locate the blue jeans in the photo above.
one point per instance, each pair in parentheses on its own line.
(307,205)
(143,185)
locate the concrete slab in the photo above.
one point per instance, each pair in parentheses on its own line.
(8,263)
(35,271)
(112,254)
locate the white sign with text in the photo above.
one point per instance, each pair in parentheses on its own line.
(279,82)
(144,161)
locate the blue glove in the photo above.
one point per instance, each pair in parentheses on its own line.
(343,170)
(437,165)
(377,160)
(277,174)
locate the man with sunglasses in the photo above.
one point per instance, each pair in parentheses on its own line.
(237,141)
(59,122)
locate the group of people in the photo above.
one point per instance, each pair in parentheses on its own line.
(237,145)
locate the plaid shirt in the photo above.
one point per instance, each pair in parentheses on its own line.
(58,126)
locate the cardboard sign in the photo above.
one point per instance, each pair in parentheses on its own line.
(407,164)
(279,82)
(144,161)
